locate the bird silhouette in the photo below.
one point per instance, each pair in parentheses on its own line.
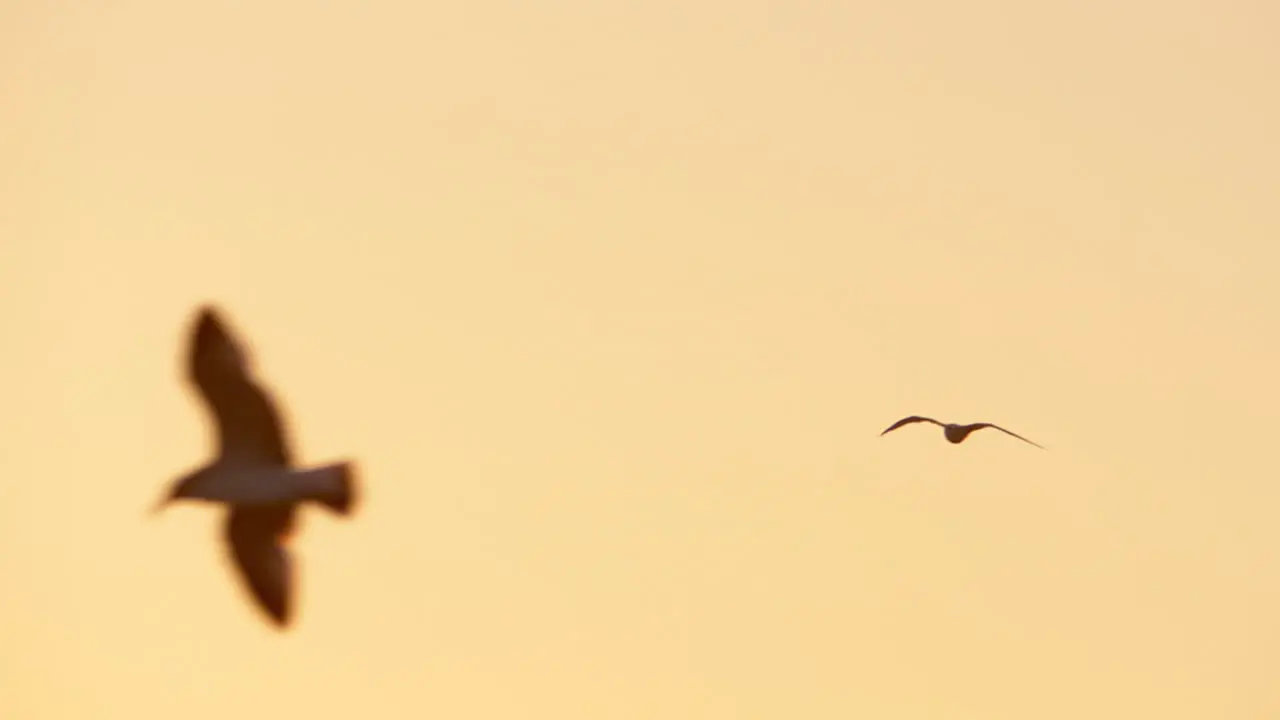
(253,472)
(953,432)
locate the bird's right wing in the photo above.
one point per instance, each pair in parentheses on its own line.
(1010,432)
(256,538)
(247,420)
(908,421)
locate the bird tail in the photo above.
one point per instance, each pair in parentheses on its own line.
(333,486)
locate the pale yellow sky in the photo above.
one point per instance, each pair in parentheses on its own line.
(610,302)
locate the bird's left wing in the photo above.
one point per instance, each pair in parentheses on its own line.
(256,539)
(908,421)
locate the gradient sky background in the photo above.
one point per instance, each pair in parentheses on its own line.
(610,301)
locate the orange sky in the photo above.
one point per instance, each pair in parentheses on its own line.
(610,302)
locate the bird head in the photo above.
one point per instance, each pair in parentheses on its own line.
(184,487)
(164,501)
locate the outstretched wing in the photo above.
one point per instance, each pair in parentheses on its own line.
(256,538)
(248,423)
(908,421)
(979,426)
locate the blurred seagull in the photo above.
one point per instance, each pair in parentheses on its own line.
(953,432)
(253,473)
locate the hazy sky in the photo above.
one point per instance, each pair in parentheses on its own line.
(610,302)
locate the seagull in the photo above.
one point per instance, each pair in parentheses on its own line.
(253,473)
(953,432)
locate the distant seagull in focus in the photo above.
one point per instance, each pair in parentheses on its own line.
(253,473)
(953,432)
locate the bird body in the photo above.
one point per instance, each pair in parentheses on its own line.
(954,432)
(233,482)
(253,472)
